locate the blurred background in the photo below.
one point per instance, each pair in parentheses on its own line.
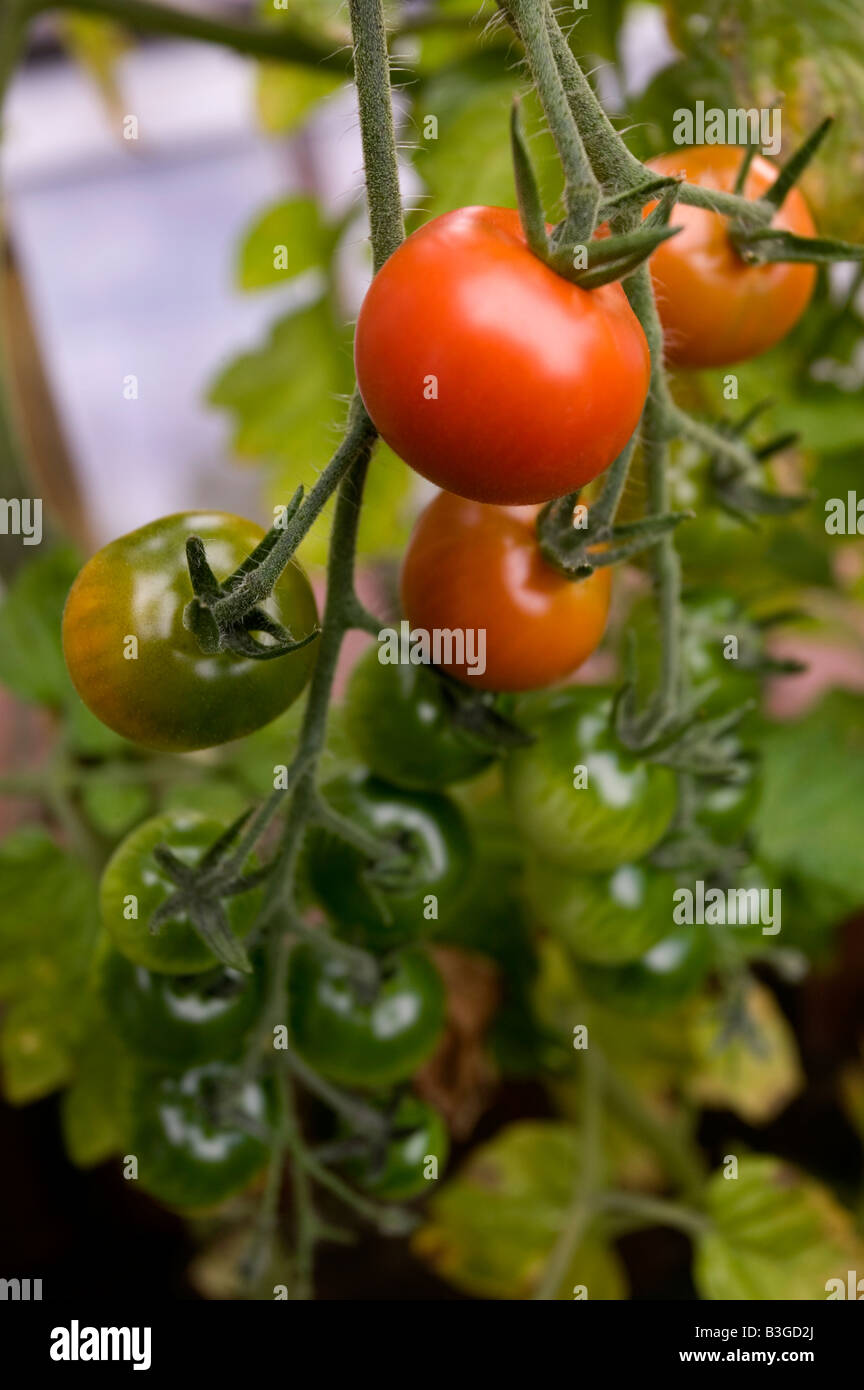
(158,360)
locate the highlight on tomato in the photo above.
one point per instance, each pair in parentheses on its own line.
(479,569)
(715,308)
(489,373)
(142,672)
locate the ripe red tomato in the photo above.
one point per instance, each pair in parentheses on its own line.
(716,309)
(470,566)
(489,373)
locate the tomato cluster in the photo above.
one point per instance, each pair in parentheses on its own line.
(508,386)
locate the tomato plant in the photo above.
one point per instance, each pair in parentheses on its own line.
(464,330)
(579,798)
(716,308)
(182,1019)
(386,905)
(401,724)
(135,886)
(478,569)
(670,972)
(187,1155)
(139,668)
(418,1134)
(355,1042)
(606,918)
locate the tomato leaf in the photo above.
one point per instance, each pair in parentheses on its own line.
(494,1226)
(776,1235)
(31,654)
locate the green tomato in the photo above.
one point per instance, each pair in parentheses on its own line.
(668,974)
(400,723)
(578,797)
(142,672)
(356,1043)
(605,918)
(419,1133)
(182,1019)
(382,913)
(726,809)
(187,1156)
(134,886)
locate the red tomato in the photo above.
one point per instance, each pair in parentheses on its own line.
(490,374)
(715,309)
(470,566)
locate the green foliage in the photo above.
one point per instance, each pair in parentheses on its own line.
(811,817)
(493,1227)
(774,1235)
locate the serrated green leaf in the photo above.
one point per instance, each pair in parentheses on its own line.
(31,653)
(811,817)
(775,1235)
(48,913)
(37,1044)
(285,241)
(492,1228)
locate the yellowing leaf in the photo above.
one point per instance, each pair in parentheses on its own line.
(493,1227)
(754,1075)
(775,1234)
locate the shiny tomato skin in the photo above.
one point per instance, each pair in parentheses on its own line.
(419,1132)
(672,971)
(490,374)
(398,720)
(616,807)
(606,919)
(171,696)
(188,1157)
(352,1042)
(479,567)
(134,886)
(715,309)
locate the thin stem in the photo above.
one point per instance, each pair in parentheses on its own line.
(581,192)
(359,437)
(614,166)
(278,42)
(372,74)
(655,1211)
(681,1160)
(583,1208)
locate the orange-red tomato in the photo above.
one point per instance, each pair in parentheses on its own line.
(716,309)
(490,374)
(479,567)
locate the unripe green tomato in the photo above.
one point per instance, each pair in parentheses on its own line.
(606,918)
(179,1019)
(398,719)
(356,1043)
(134,886)
(419,1134)
(726,809)
(578,797)
(381,914)
(188,1157)
(668,974)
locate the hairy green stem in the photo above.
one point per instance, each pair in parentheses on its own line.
(581,192)
(372,70)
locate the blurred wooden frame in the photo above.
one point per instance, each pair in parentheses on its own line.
(38,426)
